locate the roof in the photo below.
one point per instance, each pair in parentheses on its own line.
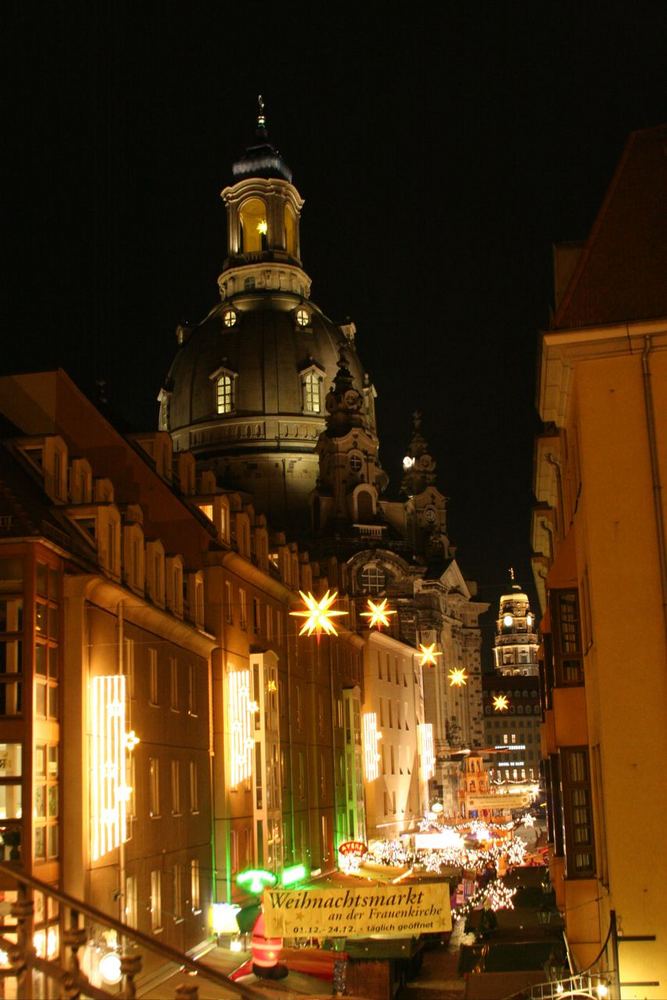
(622,271)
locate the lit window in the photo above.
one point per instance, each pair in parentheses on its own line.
(177,893)
(195,899)
(153,692)
(176,787)
(156,901)
(302,317)
(194,787)
(224,394)
(173,683)
(154,786)
(311,393)
(229,317)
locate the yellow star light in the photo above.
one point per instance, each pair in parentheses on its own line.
(378,614)
(458,677)
(318,614)
(500,703)
(428,655)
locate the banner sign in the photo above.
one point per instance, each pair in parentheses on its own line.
(498,803)
(390,910)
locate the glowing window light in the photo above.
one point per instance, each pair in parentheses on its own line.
(426,750)
(109,788)
(378,614)
(427,655)
(458,677)
(241,711)
(371,755)
(318,614)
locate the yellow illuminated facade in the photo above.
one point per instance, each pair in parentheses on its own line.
(426,750)
(600,567)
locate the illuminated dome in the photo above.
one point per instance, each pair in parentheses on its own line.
(246,391)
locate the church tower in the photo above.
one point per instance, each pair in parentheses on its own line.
(246,390)
(515,647)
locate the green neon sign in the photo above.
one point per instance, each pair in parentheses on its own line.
(293,874)
(255,880)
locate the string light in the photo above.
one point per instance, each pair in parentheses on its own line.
(371,738)
(428,655)
(318,614)
(241,738)
(109,789)
(426,750)
(458,677)
(378,614)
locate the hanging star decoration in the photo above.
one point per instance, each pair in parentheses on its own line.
(428,655)
(458,677)
(500,703)
(378,614)
(318,614)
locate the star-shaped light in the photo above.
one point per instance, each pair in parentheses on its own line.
(458,677)
(262,227)
(428,655)
(131,740)
(378,614)
(500,703)
(318,614)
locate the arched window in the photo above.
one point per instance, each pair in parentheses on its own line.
(224,393)
(254,226)
(373,579)
(311,392)
(290,231)
(364,506)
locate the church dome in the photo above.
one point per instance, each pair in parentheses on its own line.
(270,345)
(246,391)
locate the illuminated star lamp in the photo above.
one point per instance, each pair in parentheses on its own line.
(500,703)
(458,677)
(378,614)
(318,614)
(427,655)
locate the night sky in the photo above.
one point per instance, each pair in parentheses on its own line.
(440,157)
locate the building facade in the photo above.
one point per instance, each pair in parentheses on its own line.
(600,567)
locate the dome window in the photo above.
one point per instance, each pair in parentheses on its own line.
(254,226)
(302,317)
(229,318)
(356,463)
(225,390)
(311,392)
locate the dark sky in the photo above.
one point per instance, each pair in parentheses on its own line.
(440,156)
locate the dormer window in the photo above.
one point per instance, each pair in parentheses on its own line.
(373,579)
(224,390)
(312,402)
(229,318)
(302,317)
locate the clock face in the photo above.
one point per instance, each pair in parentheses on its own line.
(351,398)
(429,514)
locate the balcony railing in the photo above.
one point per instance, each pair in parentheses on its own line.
(63,968)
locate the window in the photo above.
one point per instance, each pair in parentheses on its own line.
(154,787)
(302,317)
(577,813)
(177,893)
(373,579)
(229,612)
(194,787)
(356,462)
(131,901)
(156,901)
(224,393)
(192,690)
(243,608)
(176,787)
(153,689)
(568,659)
(256,615)
(173,684)
(128,666)
(229,318)
(195,894)
(311,392)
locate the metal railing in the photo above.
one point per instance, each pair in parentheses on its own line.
(64,967)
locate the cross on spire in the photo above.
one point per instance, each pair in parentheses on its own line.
(261,117)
